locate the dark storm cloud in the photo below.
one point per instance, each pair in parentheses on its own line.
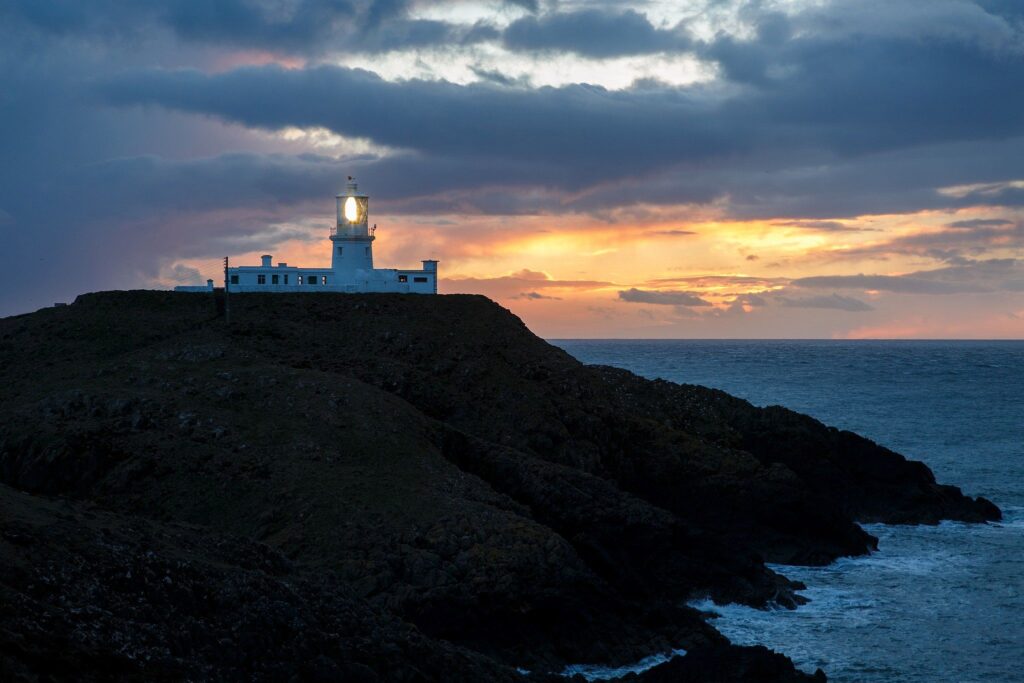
(749,61)
(664,298)
(528,5)
(579,128)
(833,301)
(818,124)
(250,23)
(142,185)
(497,77)
(1008,195)
(821,107)
(593,33)
(303,27)
(407,34)
(1012,10)
(933,91)
(820,186)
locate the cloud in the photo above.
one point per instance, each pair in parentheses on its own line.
(981,223)
(536,296)
(950,244)
(987,275)
(750,300)
(299,27)
(528,5)
(885,283)
(574,127)
(672,233)
(593,33)
(133,136)
(535,279)
(827,226)
(719,281)
(524,284)
(1008,9)
(498,78)
(532,275)
(805,139)
(664,297)
(182,274)
(835,301)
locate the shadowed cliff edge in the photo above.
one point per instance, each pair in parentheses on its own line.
(396,487)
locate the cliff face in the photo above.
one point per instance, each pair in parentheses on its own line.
(395,487)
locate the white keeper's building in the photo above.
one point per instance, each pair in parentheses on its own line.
(351,262)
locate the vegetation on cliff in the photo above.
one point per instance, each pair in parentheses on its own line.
(389,487)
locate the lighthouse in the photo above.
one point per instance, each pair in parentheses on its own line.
(351,270)
(352,236)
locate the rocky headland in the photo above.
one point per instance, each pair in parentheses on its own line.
(396,487)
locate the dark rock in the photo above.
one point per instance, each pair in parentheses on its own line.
(728,664)
(385,487)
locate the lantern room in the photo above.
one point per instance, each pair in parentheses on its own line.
(353,211)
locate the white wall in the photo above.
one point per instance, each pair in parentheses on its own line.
(379,280)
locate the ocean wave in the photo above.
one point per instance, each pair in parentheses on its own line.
(596,672)
(935,603)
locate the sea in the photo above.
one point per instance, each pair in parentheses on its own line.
(934,603)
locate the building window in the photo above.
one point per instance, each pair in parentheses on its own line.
(324,280)
(419,279)
(274,279)
(261,279)
(341,250)
(367,251)
(403,278)
(234,279)
(286,278)
(311,279)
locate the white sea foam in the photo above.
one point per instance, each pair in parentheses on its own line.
(915,565)
(924,580)
(1013,517)
(596,672)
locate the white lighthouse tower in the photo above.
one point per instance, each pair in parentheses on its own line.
(351,262)
(352,238)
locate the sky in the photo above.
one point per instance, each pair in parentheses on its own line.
(648,169)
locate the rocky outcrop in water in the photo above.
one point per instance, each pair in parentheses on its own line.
(386,487)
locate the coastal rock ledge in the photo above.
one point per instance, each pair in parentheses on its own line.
(396,487)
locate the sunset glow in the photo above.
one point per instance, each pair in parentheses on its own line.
(668,169)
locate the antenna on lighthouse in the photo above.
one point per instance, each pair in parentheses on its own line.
(227,288)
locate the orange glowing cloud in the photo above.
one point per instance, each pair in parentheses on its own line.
(565,275)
